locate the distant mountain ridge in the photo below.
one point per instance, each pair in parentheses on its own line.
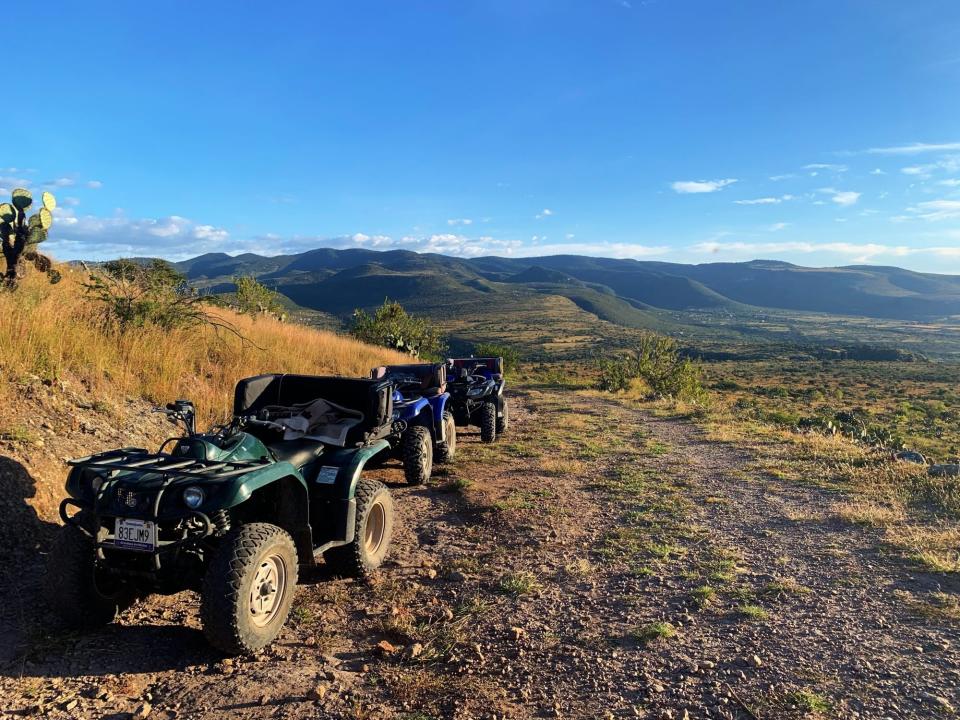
(336,281)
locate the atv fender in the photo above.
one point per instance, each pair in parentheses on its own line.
(334,494)
(288,496)
(439,406)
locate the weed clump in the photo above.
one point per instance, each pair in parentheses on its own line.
(653,632)
(520,583)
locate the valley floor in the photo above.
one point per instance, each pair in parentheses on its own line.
(597,562)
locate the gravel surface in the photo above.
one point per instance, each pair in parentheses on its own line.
(596,562)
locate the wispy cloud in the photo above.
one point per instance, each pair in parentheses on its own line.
(816,168)
(177,238)
(776,227)
(685,187)
(936,210)
(94,238)
(546,212)
(765,200)
(844,198)
(914,149)
(855,252)
(459,221)
(858,252)
(949,163)
(597,249)
(94,184)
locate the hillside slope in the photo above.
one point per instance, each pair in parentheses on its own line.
(71,385)
(316,279)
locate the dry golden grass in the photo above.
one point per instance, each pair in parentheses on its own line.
(54,331)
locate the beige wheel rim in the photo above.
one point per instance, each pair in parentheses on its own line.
(373,532)
(267,590)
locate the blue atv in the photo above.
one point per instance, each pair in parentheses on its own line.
(476,395)
(423,428)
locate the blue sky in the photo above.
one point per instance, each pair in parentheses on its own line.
(824,132)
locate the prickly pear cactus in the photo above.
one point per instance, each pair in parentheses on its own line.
(20,235)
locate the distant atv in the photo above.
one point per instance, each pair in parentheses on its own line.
(424,430)
(476,395)
(230,513)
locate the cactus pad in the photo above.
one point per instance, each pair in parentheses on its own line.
(7,212)
(46,218)
(22,199)
(49,201)
(37,235)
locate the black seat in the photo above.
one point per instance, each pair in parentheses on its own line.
(299,453)
(372,398)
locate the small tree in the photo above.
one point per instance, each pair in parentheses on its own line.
(20,235)
(137,294)
(510,355)
(657,360)
(255,298)
(391,326)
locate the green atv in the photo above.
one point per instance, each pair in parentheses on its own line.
(231,513)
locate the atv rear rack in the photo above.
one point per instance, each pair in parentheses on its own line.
(140,460)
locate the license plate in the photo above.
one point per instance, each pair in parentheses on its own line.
(135,534)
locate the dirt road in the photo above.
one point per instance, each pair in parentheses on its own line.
(597,562)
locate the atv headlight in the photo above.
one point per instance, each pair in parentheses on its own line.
(193,497)
(96,483)
(476,392)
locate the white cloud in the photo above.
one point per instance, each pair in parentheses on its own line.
(877,171)
(546,212)
(778,178)
(844,198)
(569,236)
(94,184)
(95,238)
(701,186)
(599,249)
(851,252)
(459,221)
(858,252)
(61,182)
(765,200)
(815,168)
(778,226)
(914,149)
(950,182)
(949,163)
(936,209)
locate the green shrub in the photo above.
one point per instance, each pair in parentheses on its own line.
(657,360)
(136,294)
(255,298)
(510,355)
(393,327)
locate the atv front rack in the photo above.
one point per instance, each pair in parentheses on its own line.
(170,469)
(140,460)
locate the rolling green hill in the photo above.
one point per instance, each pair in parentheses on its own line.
(572,302)
(330,280)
